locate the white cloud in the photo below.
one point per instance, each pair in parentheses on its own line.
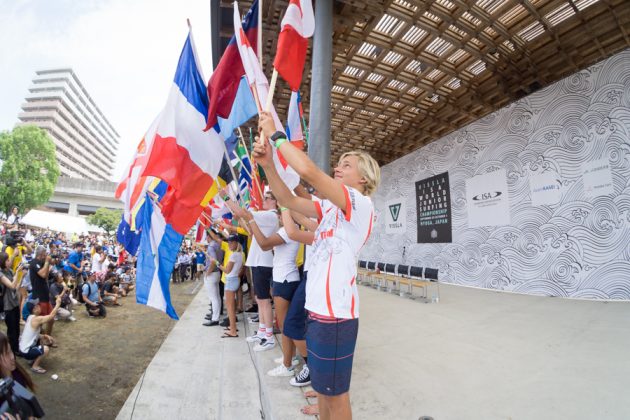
(123,51)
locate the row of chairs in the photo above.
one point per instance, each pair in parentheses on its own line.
(400,279)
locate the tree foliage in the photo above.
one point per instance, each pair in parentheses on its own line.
(29,168)
(105,218)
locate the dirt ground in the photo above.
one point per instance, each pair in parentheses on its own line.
(99,361)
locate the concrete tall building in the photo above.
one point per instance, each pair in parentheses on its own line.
(86,142)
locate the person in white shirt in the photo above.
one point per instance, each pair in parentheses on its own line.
(14,218)
(232,272)
(30,345)
(346,215)
(98,259)
(261,264)
(286,279)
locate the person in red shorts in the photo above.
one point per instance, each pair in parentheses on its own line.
(38,271)
(345,216)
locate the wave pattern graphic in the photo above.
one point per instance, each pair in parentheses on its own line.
(579,247)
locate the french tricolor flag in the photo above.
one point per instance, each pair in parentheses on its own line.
(182,154)
(297,26)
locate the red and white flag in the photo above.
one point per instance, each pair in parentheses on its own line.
(297,26)
(258,81)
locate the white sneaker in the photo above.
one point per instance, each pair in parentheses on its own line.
(281,370)
(253,319)
(254,338)
(265,344)
(280,360)
(72,319)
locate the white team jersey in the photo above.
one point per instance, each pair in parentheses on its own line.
(331,288)
(267,222)
(284,267)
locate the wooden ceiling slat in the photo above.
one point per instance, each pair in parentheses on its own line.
(519,42)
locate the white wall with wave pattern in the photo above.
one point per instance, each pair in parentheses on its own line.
(578,248)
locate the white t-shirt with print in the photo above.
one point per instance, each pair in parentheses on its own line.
(284,267)
(331,289)
(267,222)
(237,259)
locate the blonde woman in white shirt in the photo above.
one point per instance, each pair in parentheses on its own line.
(232,282)
(346,214)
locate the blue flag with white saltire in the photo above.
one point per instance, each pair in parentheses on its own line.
(159,245)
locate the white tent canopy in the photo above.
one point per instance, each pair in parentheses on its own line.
(59,222)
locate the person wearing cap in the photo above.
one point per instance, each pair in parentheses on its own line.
(31,340)
(92,297)
(232,282)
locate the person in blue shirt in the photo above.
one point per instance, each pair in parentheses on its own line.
(200,261)
(74,267)
(92,297)
(73,264)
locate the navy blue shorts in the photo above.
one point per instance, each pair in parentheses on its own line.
(295,321)
(330,343)
(262,277)
(34,352)
(285,290)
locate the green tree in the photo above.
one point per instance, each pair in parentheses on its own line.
(29,168)
(105,218)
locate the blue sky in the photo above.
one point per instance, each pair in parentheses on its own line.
(123,51)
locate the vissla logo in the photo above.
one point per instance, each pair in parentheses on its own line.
(394,210)
(487,196)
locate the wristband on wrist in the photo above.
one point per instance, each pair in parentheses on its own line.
(249,222)
(278,138)
(226,198)
(283,209)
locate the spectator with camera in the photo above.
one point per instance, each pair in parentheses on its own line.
(92,298)
(39,271)
(59,288)
(74,265)
(10,301)
(33,344)
(109,290)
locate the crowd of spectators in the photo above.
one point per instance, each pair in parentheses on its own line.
(45,276)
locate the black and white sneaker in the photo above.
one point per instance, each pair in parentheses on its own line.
(265,344)
(303,378)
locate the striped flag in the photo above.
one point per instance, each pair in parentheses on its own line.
(298,24)
(258,81)
(159,245)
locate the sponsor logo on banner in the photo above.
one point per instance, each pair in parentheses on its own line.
(396,217)
(545,189)
(597,178)
(487,200)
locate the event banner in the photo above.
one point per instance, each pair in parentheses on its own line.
(433,205)
(487,200)
(395,216)
(597,178)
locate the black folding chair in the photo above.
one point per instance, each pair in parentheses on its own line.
(390,276)
(431,274)
(362,271)
(415,273)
